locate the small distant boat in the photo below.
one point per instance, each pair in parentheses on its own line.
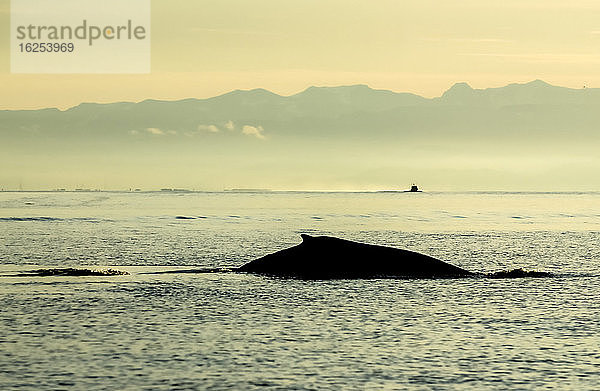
(413,189)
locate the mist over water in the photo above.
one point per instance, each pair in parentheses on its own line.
(201,331)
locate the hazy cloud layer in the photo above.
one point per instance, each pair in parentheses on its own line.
(155,131)
(208,128)
(248,130)
(256,131)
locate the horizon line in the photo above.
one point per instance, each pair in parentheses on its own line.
(275,191)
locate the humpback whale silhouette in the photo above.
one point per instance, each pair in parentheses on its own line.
(324,257)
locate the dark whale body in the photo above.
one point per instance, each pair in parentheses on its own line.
(325,257)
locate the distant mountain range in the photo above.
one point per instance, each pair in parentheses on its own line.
(521,136)
(531,108)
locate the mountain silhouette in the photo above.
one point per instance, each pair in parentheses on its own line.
(515,111)
(320,137)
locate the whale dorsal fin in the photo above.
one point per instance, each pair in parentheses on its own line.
(306,238)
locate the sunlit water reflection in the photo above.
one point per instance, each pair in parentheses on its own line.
(232,331)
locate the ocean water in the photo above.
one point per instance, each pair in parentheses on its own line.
(235,331)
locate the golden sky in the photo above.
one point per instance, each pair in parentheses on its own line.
(204,48)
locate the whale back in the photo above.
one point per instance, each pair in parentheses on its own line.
(324,257)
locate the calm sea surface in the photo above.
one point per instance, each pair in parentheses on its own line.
(233,331)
